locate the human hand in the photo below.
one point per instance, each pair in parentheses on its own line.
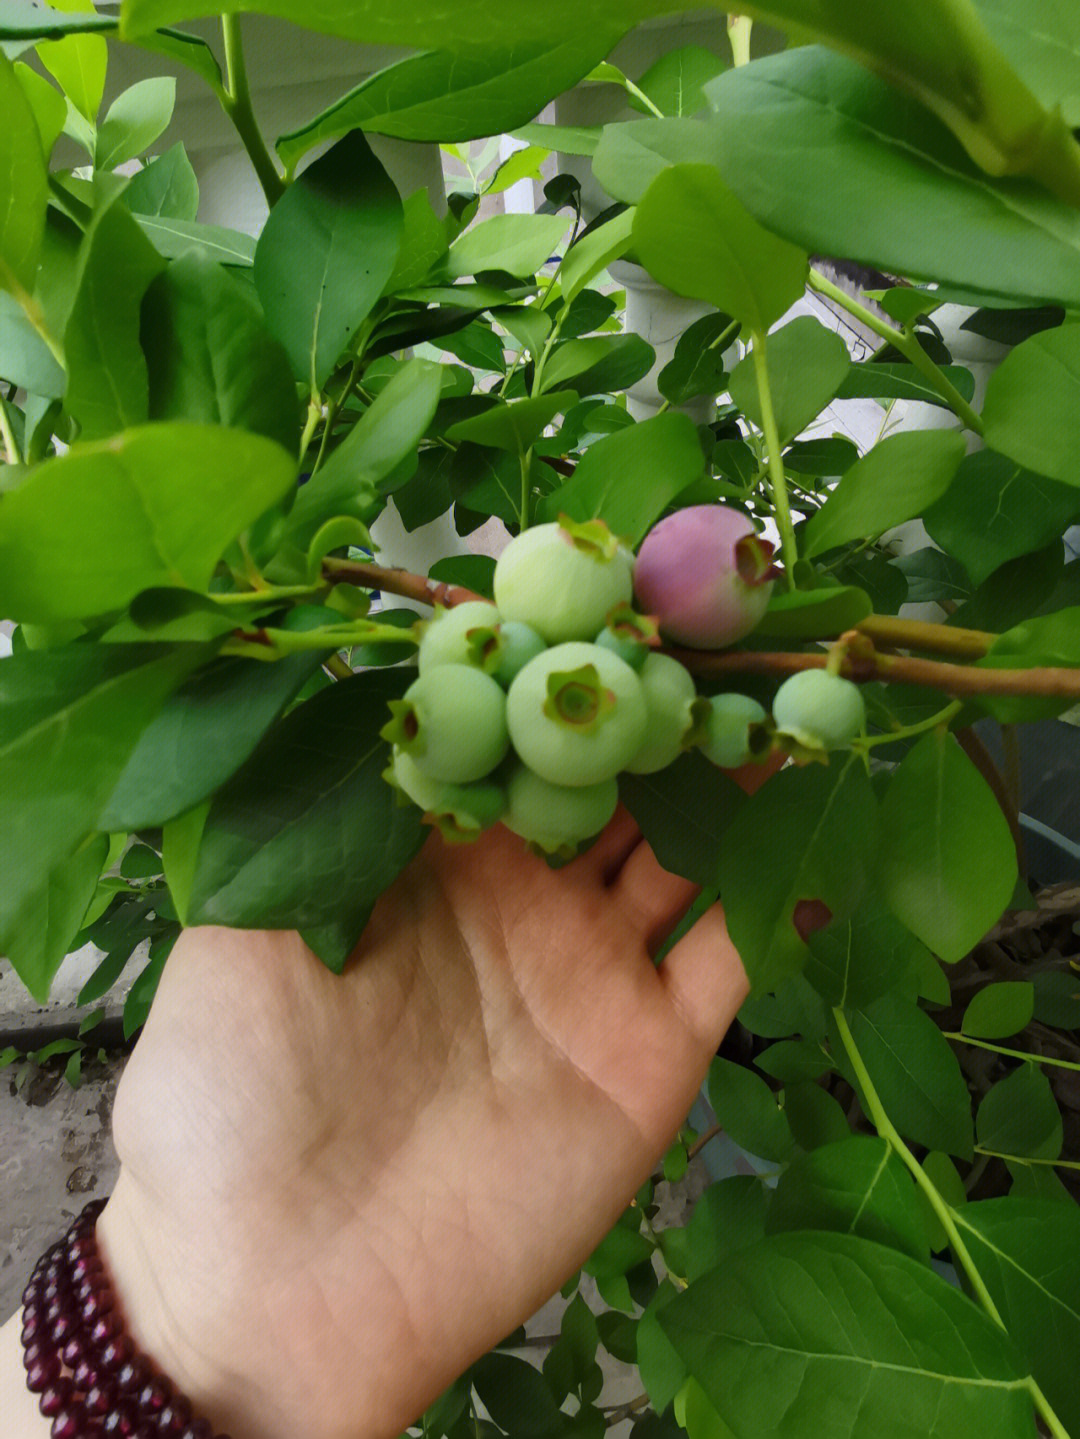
(337,1192)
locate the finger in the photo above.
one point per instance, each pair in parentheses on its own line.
(705,979)
(653,897)
(618,840)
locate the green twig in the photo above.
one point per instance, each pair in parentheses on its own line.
(908,346)
(1025,1159)
(7,434)
(777,478)
(942,717)
(1012,1053)
(236,103)
(885,1127)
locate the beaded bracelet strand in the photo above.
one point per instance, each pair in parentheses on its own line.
(72,1317)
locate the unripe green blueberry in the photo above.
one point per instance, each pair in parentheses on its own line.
(629,635)
(519,644)
(819,710)
(670,699)
(556,816)
(563,578)
(727,729)
(706,575)
(459,811)
(466,634)
(576,714)
(452,723)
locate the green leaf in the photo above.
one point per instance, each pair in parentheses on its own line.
(1002,237)
(569,139)
(173,237)
(728,1216)
(25,359)
(517,1397)
(52,916)
(915,1073)
(810,833)
(831,455)
(806,364)
(697,366)
(386,434)
(107,382)
(325,254)
(1028,1253)
(448,95)
(166,187)
(512,424)
(210,357)
(23,185)
(662,1370)
(136,118)
(307,832)
(830,1336)
(85,533)
(48,105)
(1020,1116)
(629,478)
(852,962)
(815,1117)
(683,812)
(1042,41)
(630,156)
(207,729)
(948,862)
(592,253)
(893,482)
(516,244)
(932,575)
(812,614)
(674,82)
(693,235)
(78,64)
(475,572)
(1032,402)
(423,244)
(999,1010)
(995,511)
(599,364)
(747,1110)
(69,719)
(881,381)
(858,1186)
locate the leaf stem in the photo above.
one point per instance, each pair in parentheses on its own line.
(236,103)
(906,731)
(1012,1053)
(885,1127)
(777,478)
(1023,1159)
(908,346)
(895,633)
(7,433)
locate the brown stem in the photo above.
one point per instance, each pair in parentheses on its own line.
(625,1411)
(983,761)
(398,582)
(699,1144)
(951,679)
(890,632)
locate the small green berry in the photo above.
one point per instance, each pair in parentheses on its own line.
(452,722)
(555,816)
(727,728)
(819,710)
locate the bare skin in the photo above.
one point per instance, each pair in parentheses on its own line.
(336,1192)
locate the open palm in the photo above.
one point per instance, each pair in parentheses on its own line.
(348,1188)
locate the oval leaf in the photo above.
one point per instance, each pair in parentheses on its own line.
(893,482)
(948,862)
(829,1336)
(694,236)
(84,533)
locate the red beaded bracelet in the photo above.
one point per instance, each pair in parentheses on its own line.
(73,1318)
